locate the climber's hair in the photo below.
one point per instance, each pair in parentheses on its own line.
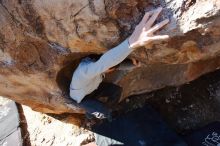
(79,57)
(94,56)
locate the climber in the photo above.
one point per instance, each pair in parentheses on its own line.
(87,78)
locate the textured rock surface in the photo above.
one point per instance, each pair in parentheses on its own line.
(41,41)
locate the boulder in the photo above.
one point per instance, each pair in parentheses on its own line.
(42,41)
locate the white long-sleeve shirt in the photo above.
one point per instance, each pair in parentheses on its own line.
(89,74)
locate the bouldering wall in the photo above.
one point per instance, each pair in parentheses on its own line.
(42,41)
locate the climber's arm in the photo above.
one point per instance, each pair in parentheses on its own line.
(142,35)
(109,59)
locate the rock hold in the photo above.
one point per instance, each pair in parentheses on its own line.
(41,42)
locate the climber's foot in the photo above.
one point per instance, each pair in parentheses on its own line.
(95,109)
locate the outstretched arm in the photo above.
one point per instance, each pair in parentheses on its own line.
(142,35)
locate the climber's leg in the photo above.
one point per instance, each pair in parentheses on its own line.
(95,104)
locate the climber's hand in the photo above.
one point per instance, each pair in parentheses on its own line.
(135,62)
(143,33)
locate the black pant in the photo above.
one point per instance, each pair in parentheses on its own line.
(100,101)
(141,127)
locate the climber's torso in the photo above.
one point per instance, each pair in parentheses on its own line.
(82,84)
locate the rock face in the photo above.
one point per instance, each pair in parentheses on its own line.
(42,41)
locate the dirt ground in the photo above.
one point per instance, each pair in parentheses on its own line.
(44,130)
(39,129)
